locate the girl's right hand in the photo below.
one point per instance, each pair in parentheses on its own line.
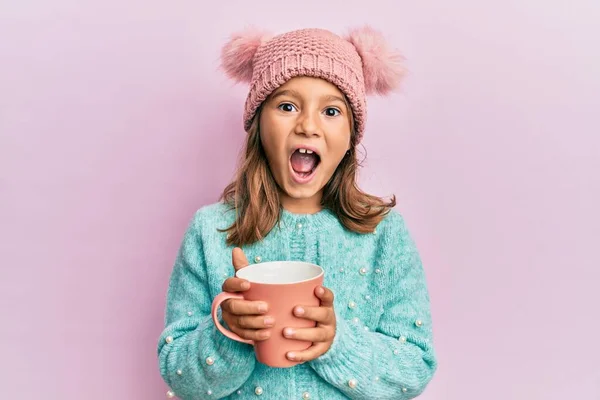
(248,319)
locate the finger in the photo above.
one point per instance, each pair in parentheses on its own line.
(245,333)
(238,258)
(252,334)
(254,322)
(325,295)
(235,285)
(315,335)
(244,307)
(319,314)
(309,354)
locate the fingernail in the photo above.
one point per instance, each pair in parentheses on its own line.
(264,334)
(288,332)
(269,321)
(262,307)
(299,310)
(320,291)
(245,285)
(291,355)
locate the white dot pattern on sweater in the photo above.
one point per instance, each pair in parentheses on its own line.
(382,325)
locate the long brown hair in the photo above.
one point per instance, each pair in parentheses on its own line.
(254,194)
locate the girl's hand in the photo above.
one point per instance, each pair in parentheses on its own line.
(322,335)
(243,317)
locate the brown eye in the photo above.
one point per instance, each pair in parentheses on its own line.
(332,112)
(287,107)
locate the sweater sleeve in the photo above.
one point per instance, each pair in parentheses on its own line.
(195,359)
(397,360)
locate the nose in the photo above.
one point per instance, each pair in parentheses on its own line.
(308,124)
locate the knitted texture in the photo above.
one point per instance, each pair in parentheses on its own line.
(383,347)
(316,53)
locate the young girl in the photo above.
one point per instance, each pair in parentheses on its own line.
(295,197)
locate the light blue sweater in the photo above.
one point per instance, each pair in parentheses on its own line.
(383,341)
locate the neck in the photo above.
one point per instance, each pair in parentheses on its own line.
(309,205)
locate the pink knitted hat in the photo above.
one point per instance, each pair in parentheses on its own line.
(359,64)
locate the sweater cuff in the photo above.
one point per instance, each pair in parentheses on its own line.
(229,349)
(343,353)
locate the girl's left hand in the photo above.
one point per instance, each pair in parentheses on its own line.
(322,335)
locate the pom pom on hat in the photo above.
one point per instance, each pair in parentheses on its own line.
(382,66)
(238,53)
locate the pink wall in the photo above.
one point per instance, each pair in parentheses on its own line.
(115,126)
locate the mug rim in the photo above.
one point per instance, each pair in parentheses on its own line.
(254,266)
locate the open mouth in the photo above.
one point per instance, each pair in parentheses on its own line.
(304,163)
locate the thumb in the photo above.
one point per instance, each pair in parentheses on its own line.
(238,259)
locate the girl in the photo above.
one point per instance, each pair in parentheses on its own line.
(295,198)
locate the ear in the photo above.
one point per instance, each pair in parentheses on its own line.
(382,66)
(237,54)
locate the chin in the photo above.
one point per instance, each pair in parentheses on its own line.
(301,193)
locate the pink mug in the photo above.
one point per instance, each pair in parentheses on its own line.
(282,285)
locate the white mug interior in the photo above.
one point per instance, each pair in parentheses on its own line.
(280,272)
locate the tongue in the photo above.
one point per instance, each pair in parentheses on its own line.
(303,162)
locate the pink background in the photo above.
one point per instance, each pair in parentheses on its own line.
(115,125)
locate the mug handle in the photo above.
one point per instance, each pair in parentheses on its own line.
(221,297)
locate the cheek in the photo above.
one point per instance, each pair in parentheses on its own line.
(334,159)
(340,135)
(338,143)
(272,146)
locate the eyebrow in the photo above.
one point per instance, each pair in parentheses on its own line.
(293,93)
(288,92)
(332,97)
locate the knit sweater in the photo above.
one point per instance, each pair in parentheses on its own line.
(383,345)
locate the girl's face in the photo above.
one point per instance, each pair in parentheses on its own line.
(305,131)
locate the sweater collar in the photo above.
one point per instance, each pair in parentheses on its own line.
(321,219)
